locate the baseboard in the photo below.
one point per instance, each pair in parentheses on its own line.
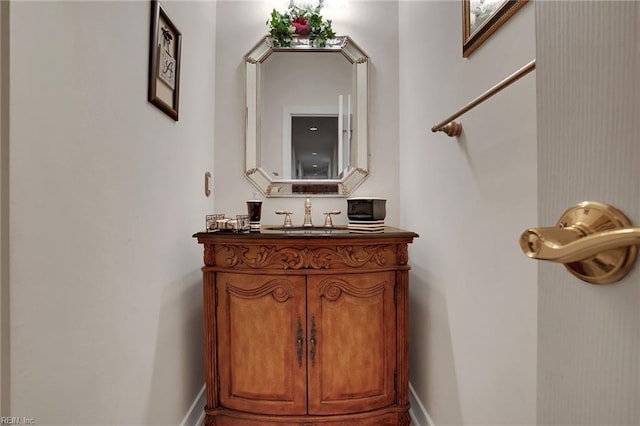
(195,415)
(418,413)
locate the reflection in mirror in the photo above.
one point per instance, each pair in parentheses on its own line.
(314,147)
(306,123)
(297,84)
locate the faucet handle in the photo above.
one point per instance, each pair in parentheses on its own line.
(287,218)
(328,223)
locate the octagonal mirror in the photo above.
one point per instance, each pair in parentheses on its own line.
(307,118)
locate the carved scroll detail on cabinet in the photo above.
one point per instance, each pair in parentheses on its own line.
(332,289)
(280,290)
(260,257)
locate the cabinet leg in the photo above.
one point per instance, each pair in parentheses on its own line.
(405,420)
(209,421)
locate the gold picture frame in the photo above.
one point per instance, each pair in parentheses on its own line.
(481,18)
(164,61)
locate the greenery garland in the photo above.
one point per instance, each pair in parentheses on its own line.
(300,21)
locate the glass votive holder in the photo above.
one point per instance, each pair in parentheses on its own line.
(211,221)
(242,223)
(254,209)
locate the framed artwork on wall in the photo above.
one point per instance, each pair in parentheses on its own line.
(164,61)
(481,18)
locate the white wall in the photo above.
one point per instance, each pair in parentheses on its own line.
(473,293)
(105,192)
(241,24)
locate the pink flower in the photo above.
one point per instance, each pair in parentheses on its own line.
(301,26)
(301,20)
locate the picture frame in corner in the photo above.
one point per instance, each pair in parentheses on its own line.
(165,46)
(481,18)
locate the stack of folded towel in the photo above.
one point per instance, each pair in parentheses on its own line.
(366,226)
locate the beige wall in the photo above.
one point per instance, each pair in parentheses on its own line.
(473,293)
(105,193)
(240,26)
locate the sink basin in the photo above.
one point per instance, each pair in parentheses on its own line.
(305,229)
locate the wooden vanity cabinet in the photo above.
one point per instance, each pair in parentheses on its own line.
(306,330)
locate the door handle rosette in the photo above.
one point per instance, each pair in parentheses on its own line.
(595,241)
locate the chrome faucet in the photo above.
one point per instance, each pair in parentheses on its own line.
(328,223)
(287,218)
(307,213)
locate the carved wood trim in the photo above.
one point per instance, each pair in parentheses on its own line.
(394,415)
(331,289)
(210,254)
(209,295)
(402,341)
(403,254)
(283,257)
(280,290)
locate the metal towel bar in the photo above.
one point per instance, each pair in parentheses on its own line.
(452,128)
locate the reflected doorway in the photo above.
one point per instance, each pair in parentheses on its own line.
(314,147)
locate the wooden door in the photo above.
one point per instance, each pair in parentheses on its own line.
(351,334)
(261,343)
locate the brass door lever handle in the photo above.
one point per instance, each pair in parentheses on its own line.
(536,244)
(594,241)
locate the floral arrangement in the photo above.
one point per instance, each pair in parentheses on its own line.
(298,21)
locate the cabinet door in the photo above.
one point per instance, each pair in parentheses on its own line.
(261,343)
(351,335)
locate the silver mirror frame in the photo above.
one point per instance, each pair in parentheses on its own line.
(359,171)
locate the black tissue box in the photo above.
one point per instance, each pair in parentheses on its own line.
(366,208)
